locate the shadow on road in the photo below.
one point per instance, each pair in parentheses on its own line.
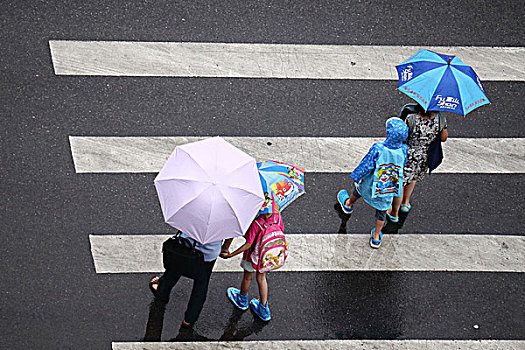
(389,228)
(344,218)
(394,227)
(155,324)
(231,332)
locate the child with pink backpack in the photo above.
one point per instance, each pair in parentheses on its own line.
(265,250)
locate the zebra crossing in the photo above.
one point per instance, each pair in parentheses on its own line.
(132,253)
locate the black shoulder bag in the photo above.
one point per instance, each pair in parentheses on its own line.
(435,152)
(180,255)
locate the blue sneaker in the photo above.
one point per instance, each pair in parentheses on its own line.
(241,301)
(342,196)
(375,243)
(262,311)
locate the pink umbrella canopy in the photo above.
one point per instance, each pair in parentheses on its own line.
(210,190)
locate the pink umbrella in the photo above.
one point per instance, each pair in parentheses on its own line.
(210,190)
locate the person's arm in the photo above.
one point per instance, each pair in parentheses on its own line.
(367,164)
(237,251)
(443,126)
(253,230)
(444,135)
(226,246)
(405,153)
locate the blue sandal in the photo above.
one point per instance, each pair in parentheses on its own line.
(405,207)
(342,196)
(374,243)
(392,218)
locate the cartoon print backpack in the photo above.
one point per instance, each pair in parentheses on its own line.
(271,249)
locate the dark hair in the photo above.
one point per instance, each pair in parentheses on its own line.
(419,109)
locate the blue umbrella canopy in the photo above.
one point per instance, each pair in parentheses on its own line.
(441,82)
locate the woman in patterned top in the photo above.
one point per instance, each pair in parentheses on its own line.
(423,128)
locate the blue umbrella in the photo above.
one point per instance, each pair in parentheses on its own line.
(441,83)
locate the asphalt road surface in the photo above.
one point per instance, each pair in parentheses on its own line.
(52,297)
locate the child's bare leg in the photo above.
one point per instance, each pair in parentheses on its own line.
(350,201)
(394,209)
(407,192)
(246,282)
(263,287)
(379,227)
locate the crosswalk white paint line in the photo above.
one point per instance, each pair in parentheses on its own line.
(340,252)
(238,60)
(314,154)
(329,344)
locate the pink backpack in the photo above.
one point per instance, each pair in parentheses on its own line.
(271,249)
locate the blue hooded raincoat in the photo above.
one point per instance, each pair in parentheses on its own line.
(379,175)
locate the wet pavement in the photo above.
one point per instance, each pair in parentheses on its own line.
(52,298)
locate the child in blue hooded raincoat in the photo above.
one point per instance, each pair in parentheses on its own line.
(379,176)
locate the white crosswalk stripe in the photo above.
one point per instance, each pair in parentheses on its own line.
(330,344)
(314,154)
(340,252)
(121,58)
